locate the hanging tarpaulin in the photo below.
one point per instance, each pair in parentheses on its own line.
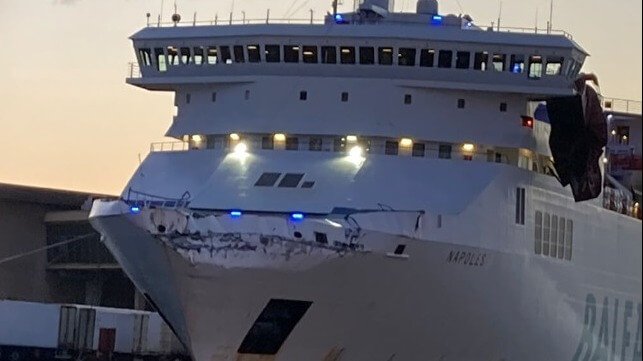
(578,135)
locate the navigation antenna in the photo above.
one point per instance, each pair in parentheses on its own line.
(550,24)
(334,8)
(499,15)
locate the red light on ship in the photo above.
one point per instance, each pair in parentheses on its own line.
(527,121)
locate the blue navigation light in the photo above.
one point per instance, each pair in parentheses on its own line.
(339,18)
(235,214)
(134,209)
(297,216)
(436,19)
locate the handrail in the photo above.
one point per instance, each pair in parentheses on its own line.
(622,105)
(148,200)
(133,70)
(175,146)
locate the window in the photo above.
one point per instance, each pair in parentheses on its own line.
(538,237)
(366,55)
(462,59)
(408,98)
(161,64)
(214,97)
(520,205)
(418,149)
(339,144)
(239,56)
(315,144)
(292,143)
(267,179)
(561,238)
(344,96)
(553,238)
(444,58)
(554,65)
(172,56)
(267,142)
(303,95)
(145,56)
(254,56)
(226,56)
(480,60)
(291,180)
(391,147)
(517,64)
(535,67)
(461,103)
(427,57)
(347,55)
(291,54)
(406,57)
(329,55)
(273,53)
(185,56)
(444,151)
(188,98)
(499,61)
(498,157)
(308,184)
(467,157)
(247,95)
(569,235)
(198,55)
(546,230)
(385,56)
(503,107)
(213,56)
(310,54)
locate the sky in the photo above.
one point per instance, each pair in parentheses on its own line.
(68,120)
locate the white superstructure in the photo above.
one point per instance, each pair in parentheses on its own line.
(370,188)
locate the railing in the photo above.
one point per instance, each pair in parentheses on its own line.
(147,200)
(168,146)
(133,70)
(617,201)
(622,105)
(317,21)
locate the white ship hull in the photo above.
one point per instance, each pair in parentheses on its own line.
(432,305)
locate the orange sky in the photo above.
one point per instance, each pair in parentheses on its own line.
(68,120)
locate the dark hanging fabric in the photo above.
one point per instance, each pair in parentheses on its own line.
(578,135)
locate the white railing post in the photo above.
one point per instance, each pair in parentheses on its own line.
(268,16)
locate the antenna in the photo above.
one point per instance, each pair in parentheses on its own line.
(536,24)
(551,16)
(499,15)
(334,7)
(161,12)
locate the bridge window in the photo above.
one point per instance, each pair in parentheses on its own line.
(480,60)
(461,103)
(239,56)
(145,56)
(291,53)
(161,64)
(172,55)
(268,142)
(344,96)
(462,59)
(517,64)
(254,56)
(503,107)
(291,180)
(214,97)
(561,238)
(553,238)
(198,55)
(546,232)
(427,57)
(273,54)
(347,55)
(554,65)
(366,55)
(538,236)
(391,147)
(445,58)
(499,61)
(213,55)
(339,144)
(226,56)
(406,57)
(418,149)
(569,237)
(185,56)
(520,205)
(408,98)
(535,67)
(329,55)
(310,54)
(292,143)
(385,56)
(315,144)
(303,95)
(444,151)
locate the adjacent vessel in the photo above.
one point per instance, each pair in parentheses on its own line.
(379,186)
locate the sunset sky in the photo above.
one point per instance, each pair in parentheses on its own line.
(68,120)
